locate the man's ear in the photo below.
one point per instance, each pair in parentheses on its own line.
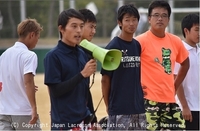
(60,28)
(186,31)
(149,18)
(31,34)
(119,23)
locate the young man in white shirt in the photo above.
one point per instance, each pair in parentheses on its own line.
(188,92)
(18,109)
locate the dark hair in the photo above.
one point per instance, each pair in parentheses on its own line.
(188,21)
(127,9)
(159,3)
(65,15)
(89,15)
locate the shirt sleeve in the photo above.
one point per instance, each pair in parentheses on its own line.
(30,63)
(182,52)
(64,87)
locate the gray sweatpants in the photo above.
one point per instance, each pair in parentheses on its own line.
(127,122)
(11,122)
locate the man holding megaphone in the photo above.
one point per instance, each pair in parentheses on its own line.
(67,72)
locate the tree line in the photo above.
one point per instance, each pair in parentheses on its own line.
(46,12)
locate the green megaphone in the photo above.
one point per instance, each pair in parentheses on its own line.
(110,59)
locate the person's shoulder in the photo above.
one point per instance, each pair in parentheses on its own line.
(22,49)
(142,36)
(116,38)
(135,41)
(113,42)
(173,36)
(31,52)
(51,52)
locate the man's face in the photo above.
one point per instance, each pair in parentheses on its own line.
(159,19)
(72,32)
(192,35)
(129,24)
(89,31)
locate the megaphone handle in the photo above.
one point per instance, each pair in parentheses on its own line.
(93,76)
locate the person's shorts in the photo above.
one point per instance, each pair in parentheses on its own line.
(163,116)
(20,122)
(127,122)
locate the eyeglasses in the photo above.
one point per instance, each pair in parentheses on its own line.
(157,16)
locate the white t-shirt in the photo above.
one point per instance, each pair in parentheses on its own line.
(14,63)
(191,81)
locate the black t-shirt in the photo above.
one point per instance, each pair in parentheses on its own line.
(126,95)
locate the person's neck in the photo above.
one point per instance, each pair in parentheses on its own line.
(126,37)
(159,34)
(191,43)
(24,42)
(68,43)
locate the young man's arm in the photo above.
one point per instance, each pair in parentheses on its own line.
(30,91)
(105,85)
(62,88)
(185,108)
(181,73)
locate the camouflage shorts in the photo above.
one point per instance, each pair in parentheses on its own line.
(163,116)
(127,122)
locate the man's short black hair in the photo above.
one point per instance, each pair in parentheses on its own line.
(89,15)
(188,21)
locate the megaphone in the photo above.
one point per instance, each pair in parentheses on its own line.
(110,59)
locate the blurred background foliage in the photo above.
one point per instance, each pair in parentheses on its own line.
(46,12)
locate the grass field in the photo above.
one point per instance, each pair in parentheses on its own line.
(43,101)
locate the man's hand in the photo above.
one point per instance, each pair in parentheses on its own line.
(89,68)
(34,118)
(186,113)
